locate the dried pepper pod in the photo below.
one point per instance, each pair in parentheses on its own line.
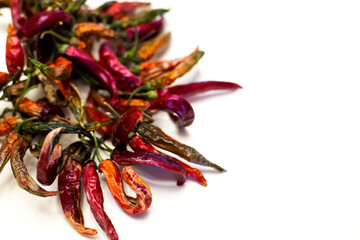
(42,21)
(69,182)
(96,200)
(23,178)
(4,78)
(61,70)
(87,29)
(29,107)
(49,158)
(125,80)
(125,158)
(6,147)
(137,144)
(121,10)
(145,30)
(180,109)
(14,52)
(148,50)
(113,178)
(191,89)
(157,137)
(7,124)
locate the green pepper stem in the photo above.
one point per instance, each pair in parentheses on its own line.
(113,111)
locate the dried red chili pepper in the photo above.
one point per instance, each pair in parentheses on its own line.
(48,159)
(23,178)
(96,200)
(125,80)
(96,70)
(113,178)
(157,137)
(18,18)
(145,30)
(180,109)
(120,10)
(5,149)
(69,182)
(149,49)
(7,124)
(125,158)
(4,78)
(42,21)
(14,52)
(87,29)
(137,144)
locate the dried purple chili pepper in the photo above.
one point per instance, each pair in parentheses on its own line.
(125,79)
(43,21)
(181,111)
(96,200)
(96,70)
(18,18)
(145,30)
(48,109)
(48,159)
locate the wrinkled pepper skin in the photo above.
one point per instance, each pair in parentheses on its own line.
(192,89)
(95,199)
(125,79)
(181,111)
(46,170)
(7,124)
(6,147)
(157,137)
(21,174)
(137,144)
(125,158)
(115,184)
(145,30)
(124,126)
(14,53)
(69,183)
(96,70)
(42,21)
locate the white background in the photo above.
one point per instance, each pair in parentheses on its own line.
(289,140)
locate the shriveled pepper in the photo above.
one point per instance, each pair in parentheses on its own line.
(23,178)
(6,147)
(157,137)
(96,200)
(69,182)
(145,30)
(149,49)
(125,80)
(49,158)
(137,144)
(180,109)
(14,52)
(113,178)
(42,21)
(87,29)
(121,10)
(7,124)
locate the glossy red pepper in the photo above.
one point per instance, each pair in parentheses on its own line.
(96,200)
(125,79)
(181,111)
(145,30)
(14,52)
(95,70)
(120,10)
(42,21)
(69,182)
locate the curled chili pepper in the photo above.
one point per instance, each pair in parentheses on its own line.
(7,124)
(125,80)
(149,49)
(191,89)
(96,70)
(145,30)
(87,29)
(42,21)
(48,159)
(23,178)
(113,178)
(157,137)
(137,144)
(181,111)
(96,200)
(69,182)
(14,52)
(6,147)
(121,10)
(124,158)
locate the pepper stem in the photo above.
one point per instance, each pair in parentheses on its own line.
(146,87)
(97,148)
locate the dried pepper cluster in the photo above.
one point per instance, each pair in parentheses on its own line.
(50,43)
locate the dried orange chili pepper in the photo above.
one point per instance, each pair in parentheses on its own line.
(148,50)
(4,78)
(29,107)
(86,29)
(7,124)
(6,149)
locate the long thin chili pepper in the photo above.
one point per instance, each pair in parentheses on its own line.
(149,49)
(157,137)
(7,124)
(87,29)
(6,147)
(48,159)
(23,178)
(43,21)
(113,178)
(69,182)
(145,30)
(96,200)
(14,52)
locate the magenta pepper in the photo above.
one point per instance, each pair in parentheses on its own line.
(145,30)
(125,79)
(18,18)
(181,111)
(96,70)
(191,89)
(43,21)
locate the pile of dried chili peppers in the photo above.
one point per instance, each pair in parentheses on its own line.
(49,46)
